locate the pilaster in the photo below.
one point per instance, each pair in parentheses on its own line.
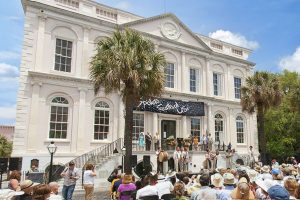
(208,78)
(183,75)
(185,134)
(40,43)
(34,118)
(121,124)
(81,133)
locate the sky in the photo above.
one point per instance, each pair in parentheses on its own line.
(271,28)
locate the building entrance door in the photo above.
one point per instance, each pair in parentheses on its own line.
(168,128)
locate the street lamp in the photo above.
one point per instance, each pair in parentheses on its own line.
(123,154)
(52,149)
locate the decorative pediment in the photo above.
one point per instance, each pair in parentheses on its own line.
(170,27)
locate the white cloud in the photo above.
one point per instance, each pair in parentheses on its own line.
(9,55)
(234,38)
(8,112)
(123,5)
(291,62)
(8,71)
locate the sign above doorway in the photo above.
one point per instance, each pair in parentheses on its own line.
(170,106)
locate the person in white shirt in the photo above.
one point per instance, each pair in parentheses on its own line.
(186,160)
(181,159)
(164,187)
(88,181)
(150,189)
(176,157)
(70,175)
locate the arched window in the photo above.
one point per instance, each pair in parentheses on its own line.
(59,118)
(101,123)
(219,127)
(240,129)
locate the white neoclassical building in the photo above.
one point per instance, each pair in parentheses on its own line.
(56,101)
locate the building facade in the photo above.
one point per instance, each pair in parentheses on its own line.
(7,131)
(56,101)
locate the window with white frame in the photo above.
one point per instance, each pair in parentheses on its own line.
(138,125)
(219,127)
(217,84)
(237,87)
(240,129)
(63,55)
(195,127)
(59,113)
(194,80)
(170,75)
(101,123)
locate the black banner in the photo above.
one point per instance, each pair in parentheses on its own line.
(175,107)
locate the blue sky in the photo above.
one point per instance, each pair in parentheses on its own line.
(270,27)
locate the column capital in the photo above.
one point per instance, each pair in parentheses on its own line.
(36,83)
(81,89)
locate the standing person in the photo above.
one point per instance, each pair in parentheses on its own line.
(148,139)
(141,141)
(207,159)
(251,157)
(88,181)
(204,144)
(156,141)
(186,160)
(70,175)
(196,142)
(159,164)
(181,159)
(228,156)
(176,157)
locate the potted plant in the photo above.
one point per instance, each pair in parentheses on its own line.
(171,143)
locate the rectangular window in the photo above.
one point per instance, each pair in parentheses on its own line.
(217,84)
(194,80)
(195,127)
(101,124)
(237,87)
(240,131)
(138,125)
(58,122)
(170,75)
(63,55)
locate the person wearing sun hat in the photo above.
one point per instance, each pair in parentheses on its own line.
(217,181)
(27,187)
(242,191)
(229,185)
(265,173)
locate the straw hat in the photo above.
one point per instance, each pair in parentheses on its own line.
(217,180)
(127,179)
(221,170)
(257,168)
(242,190)
(27,184)
(265,169)
(229,179)
(252,175)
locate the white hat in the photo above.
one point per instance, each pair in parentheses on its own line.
(6,194)
(252,175)
(265,185)
(217,180)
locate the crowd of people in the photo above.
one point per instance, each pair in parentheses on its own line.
(266,182)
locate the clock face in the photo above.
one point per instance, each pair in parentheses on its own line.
(170,30)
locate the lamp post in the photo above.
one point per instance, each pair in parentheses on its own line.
(52,149)
(123,154)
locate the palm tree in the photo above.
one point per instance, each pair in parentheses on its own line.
(262,90)
(128,63)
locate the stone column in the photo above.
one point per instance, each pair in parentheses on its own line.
(208,79)
(81,134)
(40,43)
(210,121)
(184,127)
(83,69)
(34,119)
(183,75)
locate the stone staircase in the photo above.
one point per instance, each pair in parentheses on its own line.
(104,160)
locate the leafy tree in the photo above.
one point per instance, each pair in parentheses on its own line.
(128,63)
(282,124)
(5,147)
(261,91)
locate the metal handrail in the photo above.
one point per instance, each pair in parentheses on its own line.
(97,154)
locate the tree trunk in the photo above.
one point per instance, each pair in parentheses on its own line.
(129,104)
(261,134)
